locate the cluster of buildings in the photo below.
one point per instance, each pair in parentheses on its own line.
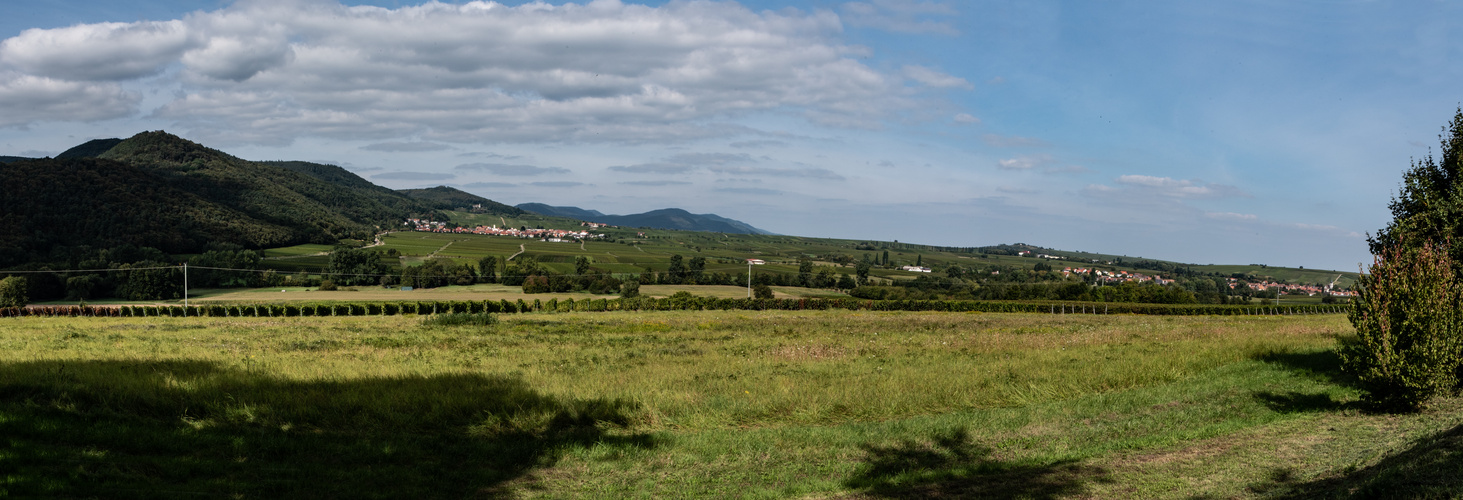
(1111,276)
(551,235)
(1296,289)
(916,269)
(1027,253)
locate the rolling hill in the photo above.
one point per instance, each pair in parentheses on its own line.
(666,218)
(158,190)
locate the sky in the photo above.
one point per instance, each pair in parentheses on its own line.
(1203,132)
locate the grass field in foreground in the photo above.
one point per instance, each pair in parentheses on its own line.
(808,404)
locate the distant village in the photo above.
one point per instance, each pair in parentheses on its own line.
(549,235)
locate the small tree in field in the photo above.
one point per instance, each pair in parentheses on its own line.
(1409,327)
(13,292)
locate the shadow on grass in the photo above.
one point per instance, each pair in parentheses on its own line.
(1324,365)
(952,467)
(125,429)
(1431,468)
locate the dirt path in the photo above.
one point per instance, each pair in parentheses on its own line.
(439,250)
(287,257)
(521,249)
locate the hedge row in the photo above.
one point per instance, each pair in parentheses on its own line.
(666,304)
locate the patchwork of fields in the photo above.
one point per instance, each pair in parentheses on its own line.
(769,404)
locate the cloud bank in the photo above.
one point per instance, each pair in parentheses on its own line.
(267,72)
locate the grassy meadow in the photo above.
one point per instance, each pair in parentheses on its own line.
(775,404)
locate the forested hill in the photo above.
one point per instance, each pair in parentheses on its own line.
(665,218)
(446,198)
(158,190)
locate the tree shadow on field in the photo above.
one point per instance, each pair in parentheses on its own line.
(129,429)
(1322,366)
(1431,468)
(950,466)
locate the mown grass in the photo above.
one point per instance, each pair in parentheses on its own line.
(707,404)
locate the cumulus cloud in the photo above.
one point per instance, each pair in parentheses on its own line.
(97,52)
(26,99)
(557,184)
(510,170)
(405,147)
(268,72)
(901,16)
(965,119)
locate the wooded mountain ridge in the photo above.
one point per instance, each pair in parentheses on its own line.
(665,218)
(161,191)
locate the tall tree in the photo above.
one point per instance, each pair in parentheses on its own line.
(1429,207)
(698,266)
(488,269)
(677,270)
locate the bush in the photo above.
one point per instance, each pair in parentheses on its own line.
(460,319)
(1407,320)
(14,292)
(762,291)
(327,285)
(630,289)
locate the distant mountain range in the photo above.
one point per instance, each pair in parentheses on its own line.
(666,218)
(158,190)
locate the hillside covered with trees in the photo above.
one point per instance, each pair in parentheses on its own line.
(159,191)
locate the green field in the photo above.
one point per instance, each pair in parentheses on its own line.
(807,404)
(632,250)
(454,293)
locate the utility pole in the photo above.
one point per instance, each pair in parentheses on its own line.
(185,288)
(749,278)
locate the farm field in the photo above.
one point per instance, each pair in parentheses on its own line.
(453,293)
(804,404)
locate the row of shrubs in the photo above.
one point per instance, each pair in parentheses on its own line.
(676,302)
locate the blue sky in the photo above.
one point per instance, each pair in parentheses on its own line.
(1224,132)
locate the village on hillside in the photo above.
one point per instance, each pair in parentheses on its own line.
(549,235)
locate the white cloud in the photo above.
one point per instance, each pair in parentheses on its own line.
(97,52)
(900,16)
(26,99)
(1169,187)
(966,119)
(268,72)
(1231,216)
(935,78)
(1024,162)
